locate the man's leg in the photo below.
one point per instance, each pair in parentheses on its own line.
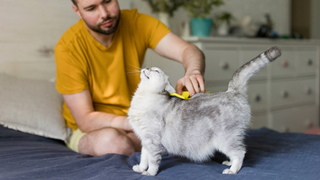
(109,140)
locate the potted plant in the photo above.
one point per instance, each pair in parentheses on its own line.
(222,23)
(198,10)
(164,8)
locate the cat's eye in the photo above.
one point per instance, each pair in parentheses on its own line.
(156,71)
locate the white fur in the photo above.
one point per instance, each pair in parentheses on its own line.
(195,128)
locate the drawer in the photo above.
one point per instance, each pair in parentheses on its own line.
(257,96)
(307,62)
(258,121)
(247,55)
(292,92)
(285,65)
(221,64)
(296,119)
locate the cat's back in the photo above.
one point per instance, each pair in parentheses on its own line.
(204,108)
(207,101)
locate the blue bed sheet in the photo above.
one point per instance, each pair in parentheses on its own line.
(270,155)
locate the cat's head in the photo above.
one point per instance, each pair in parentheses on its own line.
(155,80)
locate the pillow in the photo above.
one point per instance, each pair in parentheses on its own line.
(32,106)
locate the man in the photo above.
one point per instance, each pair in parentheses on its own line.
(95,59)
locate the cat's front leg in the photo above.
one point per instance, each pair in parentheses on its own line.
(154,160)
(154,149)
(142,167)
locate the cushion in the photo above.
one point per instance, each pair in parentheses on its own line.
(32,106)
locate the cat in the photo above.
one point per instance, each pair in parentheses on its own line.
(194,128)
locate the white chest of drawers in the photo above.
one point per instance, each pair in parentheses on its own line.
(284,95)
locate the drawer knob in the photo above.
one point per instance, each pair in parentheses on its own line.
(308,91)
(225,65)
(285,63)
(285,94)
(310,62)
(257,98)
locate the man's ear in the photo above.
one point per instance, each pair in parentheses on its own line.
(76,10)
(169,88)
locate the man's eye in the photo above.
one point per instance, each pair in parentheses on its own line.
(90,8)
(107,1)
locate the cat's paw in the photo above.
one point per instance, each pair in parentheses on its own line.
(228,163)
(136,168)
(146,173)
(228,171)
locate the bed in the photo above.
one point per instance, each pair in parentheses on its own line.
(270,155)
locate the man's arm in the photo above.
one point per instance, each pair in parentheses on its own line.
(173,47)
(80,106)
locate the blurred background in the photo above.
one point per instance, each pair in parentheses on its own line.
(289,18)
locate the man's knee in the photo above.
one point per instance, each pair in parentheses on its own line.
(110,140)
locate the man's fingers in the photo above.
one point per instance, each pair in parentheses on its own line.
(195,84)
(189,87)
(192,83)
(179,86)
(201,83)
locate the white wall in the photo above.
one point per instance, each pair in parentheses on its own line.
(29,32)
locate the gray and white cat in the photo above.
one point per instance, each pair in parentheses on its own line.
(194,128)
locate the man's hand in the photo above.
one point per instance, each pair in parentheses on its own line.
(173,47)
(194,83)
(121,122)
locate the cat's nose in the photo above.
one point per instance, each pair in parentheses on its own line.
(147,68)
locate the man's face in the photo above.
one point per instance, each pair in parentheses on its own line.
(101,16)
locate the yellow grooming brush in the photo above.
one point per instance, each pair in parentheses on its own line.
(185,95)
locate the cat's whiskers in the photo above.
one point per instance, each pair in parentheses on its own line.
(135,67)
(135,71)
(132,72)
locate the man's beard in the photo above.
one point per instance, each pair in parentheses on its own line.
(98,29)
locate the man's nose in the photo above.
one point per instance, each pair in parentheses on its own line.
(103,12)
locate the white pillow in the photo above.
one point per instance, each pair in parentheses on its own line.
(32,106)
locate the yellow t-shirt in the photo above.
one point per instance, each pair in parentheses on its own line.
(83,63)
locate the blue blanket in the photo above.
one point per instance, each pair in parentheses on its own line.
(270,155)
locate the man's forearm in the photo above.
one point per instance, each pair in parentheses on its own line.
(193,60)
(173,47)
(87,119)
(194,64)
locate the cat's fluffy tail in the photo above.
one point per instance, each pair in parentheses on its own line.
(241,77)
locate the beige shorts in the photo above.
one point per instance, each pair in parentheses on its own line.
(75,139)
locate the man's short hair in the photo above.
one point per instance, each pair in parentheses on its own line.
(74,2)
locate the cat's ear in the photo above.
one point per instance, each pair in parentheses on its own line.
(169,88)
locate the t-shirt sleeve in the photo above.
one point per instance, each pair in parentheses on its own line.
(151,29)
(70,72)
